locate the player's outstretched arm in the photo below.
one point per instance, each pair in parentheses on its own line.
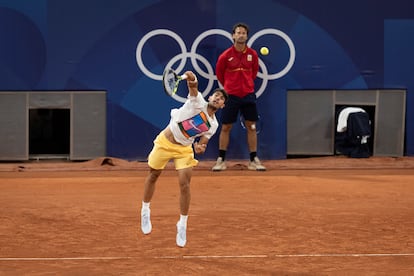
(192,83)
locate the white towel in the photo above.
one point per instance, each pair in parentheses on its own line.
(343,117)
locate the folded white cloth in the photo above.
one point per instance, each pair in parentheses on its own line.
(343,117)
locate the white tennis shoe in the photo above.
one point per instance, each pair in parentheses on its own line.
(256,165)
(220,165)
(146,225)
(181,238)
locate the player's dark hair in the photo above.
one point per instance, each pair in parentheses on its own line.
(240,24)
(223,92)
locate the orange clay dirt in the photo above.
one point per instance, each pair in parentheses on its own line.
(311,216)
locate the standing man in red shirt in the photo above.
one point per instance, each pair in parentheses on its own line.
(236,70)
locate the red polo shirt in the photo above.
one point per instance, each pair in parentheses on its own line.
(236,71)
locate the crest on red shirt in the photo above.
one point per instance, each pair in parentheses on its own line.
(249,58)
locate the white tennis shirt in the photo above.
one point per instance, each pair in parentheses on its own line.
(191,120)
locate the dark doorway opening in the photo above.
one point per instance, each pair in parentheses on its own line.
(49,132)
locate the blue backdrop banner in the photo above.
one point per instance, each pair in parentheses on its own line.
(122,47)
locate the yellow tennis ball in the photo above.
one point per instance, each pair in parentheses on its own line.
(264,51)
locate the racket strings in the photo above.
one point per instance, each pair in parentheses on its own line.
(169,82)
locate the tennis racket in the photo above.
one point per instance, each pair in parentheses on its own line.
(171,80)
(258,126)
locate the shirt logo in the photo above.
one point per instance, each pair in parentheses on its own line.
(194,126)
(249,58)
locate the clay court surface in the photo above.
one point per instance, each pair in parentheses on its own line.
(311,216)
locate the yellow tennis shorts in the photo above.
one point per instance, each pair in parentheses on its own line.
(163,151)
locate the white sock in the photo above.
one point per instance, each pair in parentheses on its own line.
(183,220)
(145,205)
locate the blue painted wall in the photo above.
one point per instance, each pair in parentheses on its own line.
(123,46)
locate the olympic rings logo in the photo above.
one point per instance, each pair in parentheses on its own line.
(195,57)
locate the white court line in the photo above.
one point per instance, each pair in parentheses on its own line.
(303,255)
(216,257)
(225,256)
(64,258)
(345,255)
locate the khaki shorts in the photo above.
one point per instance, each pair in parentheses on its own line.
(163,151)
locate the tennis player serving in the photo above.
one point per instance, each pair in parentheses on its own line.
(188,132)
